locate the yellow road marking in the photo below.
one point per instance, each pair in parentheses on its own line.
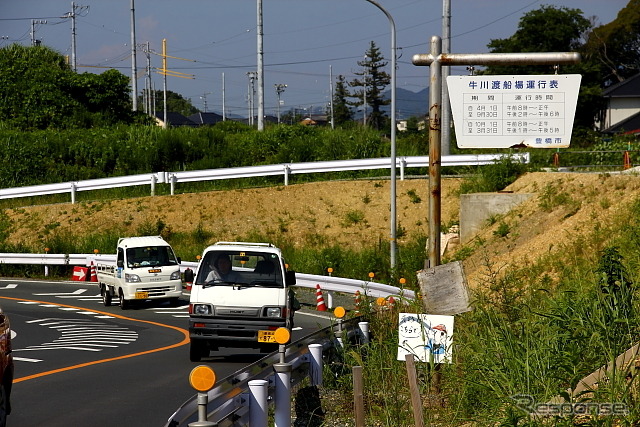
(111,359)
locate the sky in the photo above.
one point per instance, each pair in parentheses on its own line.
(305,42)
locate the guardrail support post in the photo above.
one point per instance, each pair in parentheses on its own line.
(283,394)
(258,403)
(153,185)
(287,170)
(364,328)
(403,165)
(172,182)
(73,193)
(315,364)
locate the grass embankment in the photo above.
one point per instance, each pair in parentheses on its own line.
(536,329)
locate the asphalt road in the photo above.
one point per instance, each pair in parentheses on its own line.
(78,363)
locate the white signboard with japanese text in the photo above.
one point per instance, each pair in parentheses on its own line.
(429,337)
(514,111)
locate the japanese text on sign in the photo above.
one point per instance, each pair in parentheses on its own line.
(505,111)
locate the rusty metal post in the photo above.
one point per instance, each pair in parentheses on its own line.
(435,108)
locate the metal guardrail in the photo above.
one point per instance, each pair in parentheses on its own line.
(327,283)
(284,169)
(228,401)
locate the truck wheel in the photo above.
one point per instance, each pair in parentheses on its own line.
(106,296)
(124,304)
(197,350)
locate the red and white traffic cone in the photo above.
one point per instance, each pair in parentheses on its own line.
(188,278)
(358,302)
(392,302)
(93,275)
(320,305)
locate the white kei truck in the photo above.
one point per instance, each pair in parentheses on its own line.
(146,268)
(240,296)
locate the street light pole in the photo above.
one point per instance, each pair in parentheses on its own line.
(393,134)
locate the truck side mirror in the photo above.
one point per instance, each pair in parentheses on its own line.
(179,260)
(120,263)
(290,278)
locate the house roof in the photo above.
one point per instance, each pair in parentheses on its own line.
(629,125)
(627,88)
(205,118)
(175,119)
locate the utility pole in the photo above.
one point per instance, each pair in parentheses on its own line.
(251,94)
(74,64)
(75,9)
(364,94)
(134,71)
(204,99)
(224,107)
(279,90)
(35,22)
(260,69)
(333,122)
(446,103)
(148,83)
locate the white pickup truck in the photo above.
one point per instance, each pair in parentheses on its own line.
(240,296)
(146,268)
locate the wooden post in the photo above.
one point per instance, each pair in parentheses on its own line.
(416,402)
(358,395)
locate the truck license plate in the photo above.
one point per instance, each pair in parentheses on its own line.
(142,295)
(267,336)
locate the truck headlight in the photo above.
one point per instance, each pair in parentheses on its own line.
(131,278)
(201,309)
(175,275)
(273,312)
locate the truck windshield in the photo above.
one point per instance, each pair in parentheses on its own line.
(246,269)
(151,256)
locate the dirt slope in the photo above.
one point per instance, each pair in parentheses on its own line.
(351,213)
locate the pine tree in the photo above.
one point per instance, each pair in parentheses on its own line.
(372,84)
(342,113)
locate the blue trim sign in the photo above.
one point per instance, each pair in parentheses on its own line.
(534,111)
(429,337)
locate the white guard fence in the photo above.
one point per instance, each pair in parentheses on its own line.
(286,169)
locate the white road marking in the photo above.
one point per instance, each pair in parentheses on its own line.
(10,286)
(24,359)
(76,292)
(83,335)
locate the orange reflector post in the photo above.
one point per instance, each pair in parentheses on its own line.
(339,312)
(282,335)
(202,378)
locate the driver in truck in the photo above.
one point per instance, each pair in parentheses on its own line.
(221,270)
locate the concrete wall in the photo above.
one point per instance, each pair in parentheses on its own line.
(477,208)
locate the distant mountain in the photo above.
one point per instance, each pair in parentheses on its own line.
(408,104)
